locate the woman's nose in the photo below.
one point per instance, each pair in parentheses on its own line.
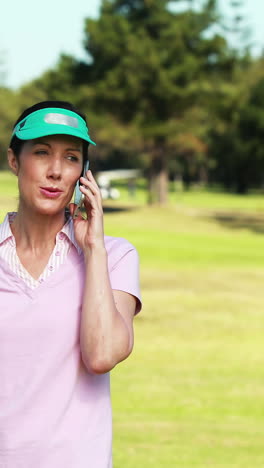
(55,168)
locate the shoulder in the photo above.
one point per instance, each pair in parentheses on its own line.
(117,248)
(5,230)
(123,265)
(113,244)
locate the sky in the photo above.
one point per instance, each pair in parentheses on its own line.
(33,34)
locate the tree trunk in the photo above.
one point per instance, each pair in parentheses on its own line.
(203,175)
(158,179)
(163,186)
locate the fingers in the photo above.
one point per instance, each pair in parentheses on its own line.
(89,178)
(91,199)
(91,190)
(86,184)
(90,184)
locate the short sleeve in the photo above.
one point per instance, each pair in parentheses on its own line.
(123,266)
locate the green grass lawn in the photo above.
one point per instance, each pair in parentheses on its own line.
(191,395)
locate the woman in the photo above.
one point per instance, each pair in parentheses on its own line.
(68,295)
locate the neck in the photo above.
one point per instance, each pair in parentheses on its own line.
(35,231)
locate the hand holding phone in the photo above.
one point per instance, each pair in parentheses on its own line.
(78,195)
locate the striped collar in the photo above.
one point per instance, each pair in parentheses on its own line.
(67,231)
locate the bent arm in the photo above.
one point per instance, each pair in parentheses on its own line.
(106,333)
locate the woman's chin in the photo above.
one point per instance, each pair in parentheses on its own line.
(48,209)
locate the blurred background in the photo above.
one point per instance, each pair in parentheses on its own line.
(174,95)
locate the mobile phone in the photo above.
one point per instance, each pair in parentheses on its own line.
(78,195)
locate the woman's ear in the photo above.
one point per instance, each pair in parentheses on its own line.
(12,161)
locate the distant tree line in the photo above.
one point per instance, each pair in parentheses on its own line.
(165,91)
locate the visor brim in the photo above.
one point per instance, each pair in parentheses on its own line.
(51,129)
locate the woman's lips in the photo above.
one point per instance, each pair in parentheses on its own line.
(50,192)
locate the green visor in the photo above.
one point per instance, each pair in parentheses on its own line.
(52,121)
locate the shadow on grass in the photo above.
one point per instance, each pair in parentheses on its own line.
(117,209)
(254,223)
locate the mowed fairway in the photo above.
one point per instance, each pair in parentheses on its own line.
(192,393)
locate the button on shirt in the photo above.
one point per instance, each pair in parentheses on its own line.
(64,240)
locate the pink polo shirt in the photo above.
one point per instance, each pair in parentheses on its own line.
(53,413)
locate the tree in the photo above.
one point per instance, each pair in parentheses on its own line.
(249,136)
(8,114)
(161,87)
(237,131)
(150,65)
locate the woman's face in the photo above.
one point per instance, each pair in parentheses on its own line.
(47,170)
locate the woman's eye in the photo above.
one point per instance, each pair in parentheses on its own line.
(41,152)
(73,158)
